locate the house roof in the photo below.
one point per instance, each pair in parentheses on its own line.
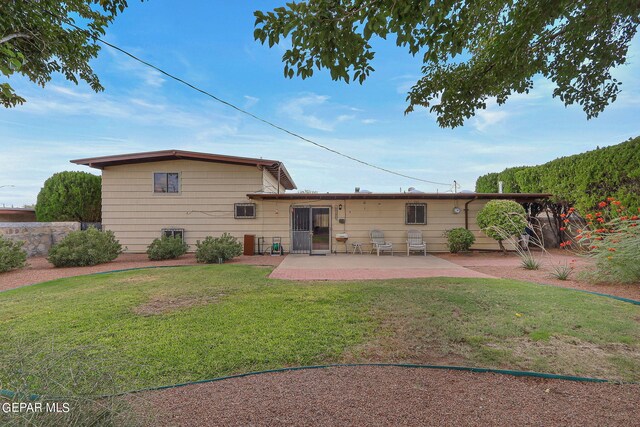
(16,211)
(519,197)
(274,167)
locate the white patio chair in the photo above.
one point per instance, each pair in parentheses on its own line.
(415,242)
(378,243)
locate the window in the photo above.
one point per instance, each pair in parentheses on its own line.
(245,210)
(174,232)
(164,182)
(416,213)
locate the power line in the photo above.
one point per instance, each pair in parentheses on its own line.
(229,104)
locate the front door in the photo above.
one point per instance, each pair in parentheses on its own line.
(310,230)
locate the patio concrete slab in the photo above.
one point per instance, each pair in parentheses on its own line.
(366,267)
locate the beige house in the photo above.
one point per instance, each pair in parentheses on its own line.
(194,195)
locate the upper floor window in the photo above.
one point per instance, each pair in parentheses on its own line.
(416,213)
(166,182)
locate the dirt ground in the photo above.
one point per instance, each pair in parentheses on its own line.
(39,269)
(386,396)
(508,267)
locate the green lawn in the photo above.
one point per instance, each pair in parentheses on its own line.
(163,326)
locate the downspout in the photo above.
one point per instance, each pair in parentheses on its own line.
(466,213)
(279,166)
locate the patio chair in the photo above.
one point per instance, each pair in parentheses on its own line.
(378,243)
(415,242)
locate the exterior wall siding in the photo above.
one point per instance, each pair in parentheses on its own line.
(204,207)
(362,216)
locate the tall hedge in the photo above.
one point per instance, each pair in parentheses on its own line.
(582,180)
(70,196)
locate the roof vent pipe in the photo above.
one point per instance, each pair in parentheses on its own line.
(500,183)
(357,189)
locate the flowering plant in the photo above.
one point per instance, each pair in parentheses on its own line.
(611,237)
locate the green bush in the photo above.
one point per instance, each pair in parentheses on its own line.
(83,248)
(218,250)
(11,255)
(166,248)
(581,180)
(501,219)
(70,196)
(459,240)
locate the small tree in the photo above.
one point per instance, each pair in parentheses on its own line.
(500,219)
(70,196)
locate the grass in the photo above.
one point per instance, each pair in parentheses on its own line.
(190,323)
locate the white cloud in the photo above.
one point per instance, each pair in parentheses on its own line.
(485,119)
(250,101)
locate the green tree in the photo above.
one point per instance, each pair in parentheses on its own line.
(70,196)
(36,40)
(502,219)
(472,51)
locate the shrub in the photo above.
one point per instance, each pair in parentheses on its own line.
(561,271)
(218,250)
(166,248)
(528,262)
(581,180)
(83,248)
(70,196)
(11,255)
(611,237)
(459,240)
(502,219)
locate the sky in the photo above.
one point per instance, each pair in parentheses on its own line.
(210,44)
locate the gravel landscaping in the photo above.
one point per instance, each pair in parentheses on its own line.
(507,266)
(358,396)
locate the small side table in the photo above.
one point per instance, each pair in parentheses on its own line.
(357,246)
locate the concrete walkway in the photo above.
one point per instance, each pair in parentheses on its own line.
(362,267)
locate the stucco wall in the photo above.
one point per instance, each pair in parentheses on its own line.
(38,236)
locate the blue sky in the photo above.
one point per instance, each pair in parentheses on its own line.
(211,45)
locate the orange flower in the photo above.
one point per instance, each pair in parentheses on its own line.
(616,202)
(562,228)
(601,220)
(612,249)
(602,204)
(562,215)
(634,218)
(589,216)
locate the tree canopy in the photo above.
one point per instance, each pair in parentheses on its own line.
(472,51)
(36,40)
(70,196)
(582,180)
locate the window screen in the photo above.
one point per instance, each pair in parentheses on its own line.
(416,213)
(245,210)
(166,182)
